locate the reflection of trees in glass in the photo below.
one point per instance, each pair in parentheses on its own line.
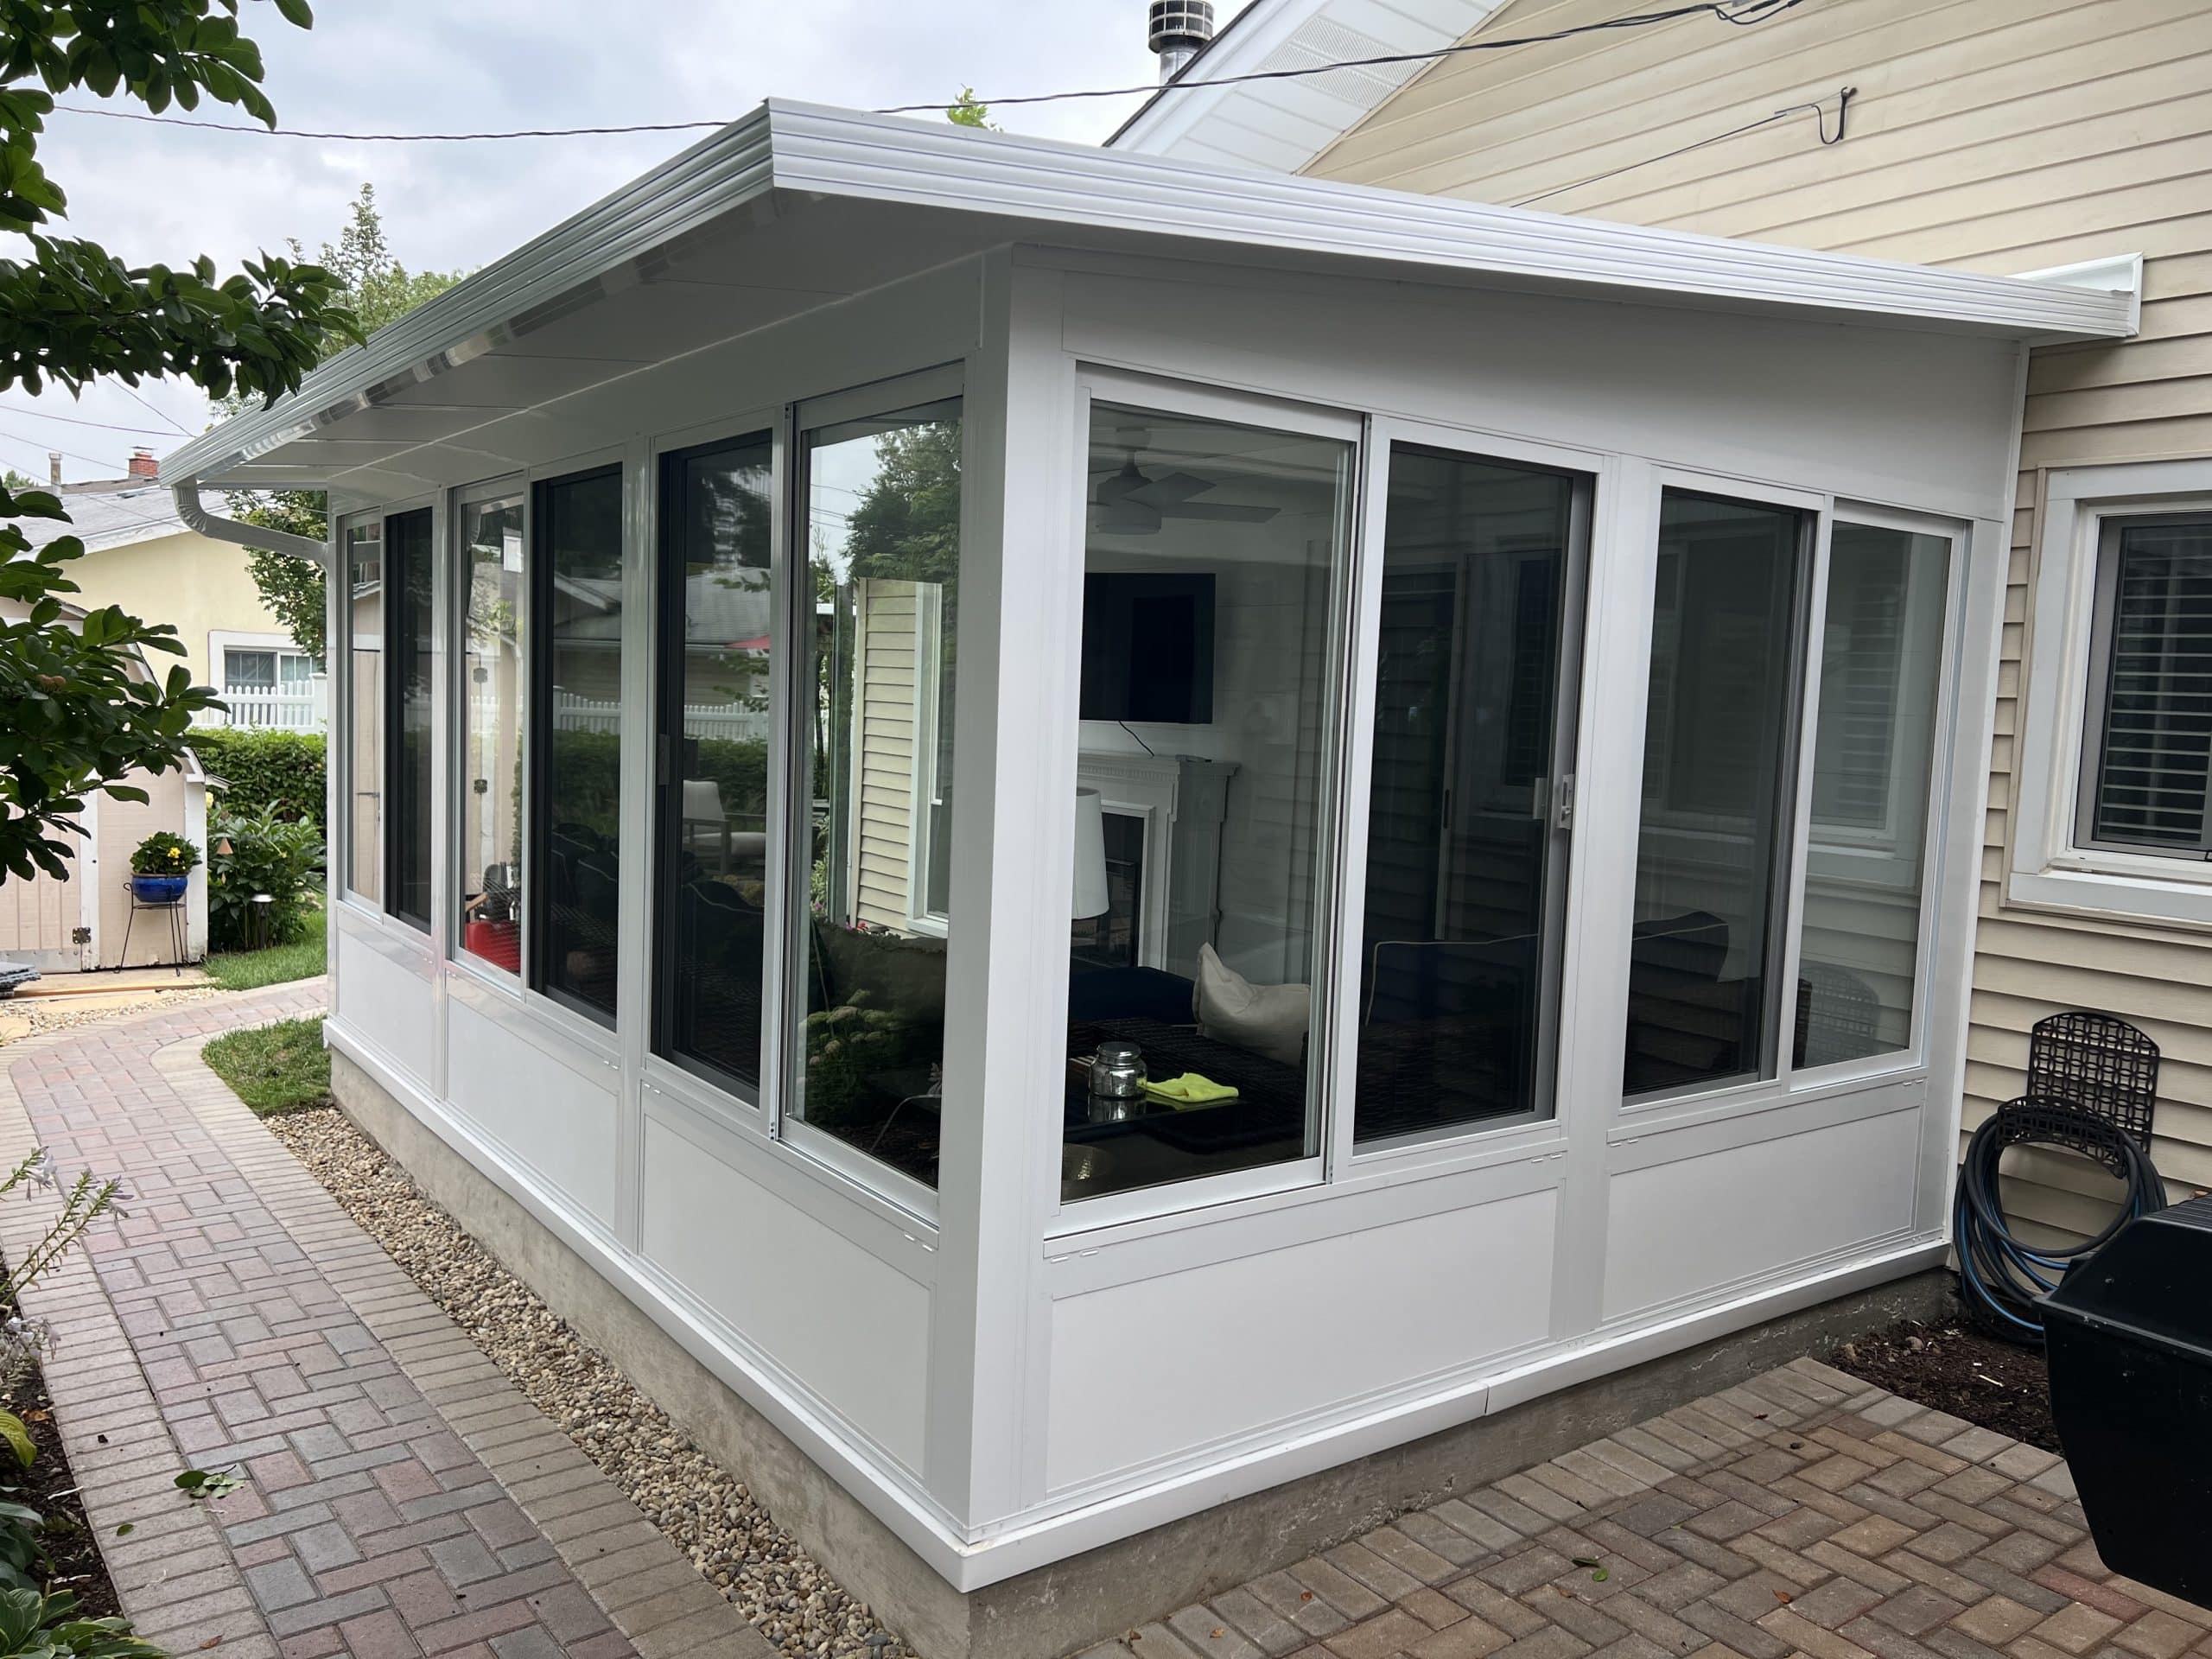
(907,525)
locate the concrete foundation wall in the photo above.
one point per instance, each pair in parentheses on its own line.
(1067,1607)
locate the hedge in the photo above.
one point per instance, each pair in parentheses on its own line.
(281,770)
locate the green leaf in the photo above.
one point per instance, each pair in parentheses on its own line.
(296,13)
(18,1438)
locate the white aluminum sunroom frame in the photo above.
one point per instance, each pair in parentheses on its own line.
(1003,1380)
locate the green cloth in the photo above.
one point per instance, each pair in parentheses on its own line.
(1188,1091)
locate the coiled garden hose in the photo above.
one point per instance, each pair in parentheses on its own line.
(2004,1279)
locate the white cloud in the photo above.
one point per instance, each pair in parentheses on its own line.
(167,193)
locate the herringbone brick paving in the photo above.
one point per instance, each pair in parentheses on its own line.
(401,1497)
(1803,1513)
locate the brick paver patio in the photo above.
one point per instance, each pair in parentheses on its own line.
(402,1497)
(1803,1513)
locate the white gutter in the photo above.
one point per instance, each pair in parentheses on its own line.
(218,528)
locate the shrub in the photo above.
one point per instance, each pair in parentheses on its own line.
(163,854)
(282,771)
(256,853)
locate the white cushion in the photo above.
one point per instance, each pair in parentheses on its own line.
(1268,1019)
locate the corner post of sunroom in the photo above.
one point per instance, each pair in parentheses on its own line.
(1012,867)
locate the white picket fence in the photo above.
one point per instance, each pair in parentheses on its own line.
(575,714)
(283,709)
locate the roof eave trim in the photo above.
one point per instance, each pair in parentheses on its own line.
(838,152)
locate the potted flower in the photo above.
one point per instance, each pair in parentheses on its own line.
(159,867)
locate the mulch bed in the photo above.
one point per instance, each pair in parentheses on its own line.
(1953,1367)
(49,1487)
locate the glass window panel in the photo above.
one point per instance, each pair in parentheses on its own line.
(1213,557)
(577,761)
(494,597)
(2150,738)
(408,564)
(248,670)
(1466,872)
(719,619)
(1718,793)
(883,504)
(1873,756)
(365,710)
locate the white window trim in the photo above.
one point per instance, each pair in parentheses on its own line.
(2046,868)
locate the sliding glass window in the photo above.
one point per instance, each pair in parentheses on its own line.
(1478,649)
(1713,853)
(494,602)
(576,739)
(362,620)
(1878,715)
(409,619)
(878,615)
(718,626)
(1214,559)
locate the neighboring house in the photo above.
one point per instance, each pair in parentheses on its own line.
(85,919)
(2017,137)
(848,634)
(139,553)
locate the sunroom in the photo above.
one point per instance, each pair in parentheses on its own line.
(1067,838)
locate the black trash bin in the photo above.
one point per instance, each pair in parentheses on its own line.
(2129,1335)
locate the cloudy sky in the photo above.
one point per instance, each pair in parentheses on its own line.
(167,193)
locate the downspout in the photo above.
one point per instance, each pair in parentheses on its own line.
(215,526)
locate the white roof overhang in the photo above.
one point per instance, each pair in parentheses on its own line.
(797,207)
(1283,125)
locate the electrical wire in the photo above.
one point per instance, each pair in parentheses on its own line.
(133,393)
(1820,125)
(74,420)
(1741,14)
(2003,1278)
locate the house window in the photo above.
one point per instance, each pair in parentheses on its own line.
(576,742)
(1712,850)
(1876,717)
(718,639)
(494,600)
(1214,558)
(361,625)
(408,618)
(873,725)
(2146,766)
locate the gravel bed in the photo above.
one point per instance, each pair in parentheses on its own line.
(703,1510)
(34,1016)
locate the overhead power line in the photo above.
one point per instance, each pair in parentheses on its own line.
(1739,13)
(73,420)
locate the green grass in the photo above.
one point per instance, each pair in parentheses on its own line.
(275,1069)
(248,970)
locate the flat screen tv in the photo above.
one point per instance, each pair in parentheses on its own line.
(1148,648)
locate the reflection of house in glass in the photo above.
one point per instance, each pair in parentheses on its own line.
(1181,840)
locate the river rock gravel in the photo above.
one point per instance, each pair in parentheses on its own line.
(704,1511)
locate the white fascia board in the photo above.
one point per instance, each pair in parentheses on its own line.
(1034,188)
(1050,184)
(720,172)
(2118,276)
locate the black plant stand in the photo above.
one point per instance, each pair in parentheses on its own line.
(174,907)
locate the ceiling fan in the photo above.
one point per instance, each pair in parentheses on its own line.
(1131,504)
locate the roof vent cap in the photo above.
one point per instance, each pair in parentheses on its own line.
(1177,31)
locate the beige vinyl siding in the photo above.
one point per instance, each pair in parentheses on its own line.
(1994,137)
(887,631)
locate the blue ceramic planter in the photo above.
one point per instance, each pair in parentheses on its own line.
(158,889)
